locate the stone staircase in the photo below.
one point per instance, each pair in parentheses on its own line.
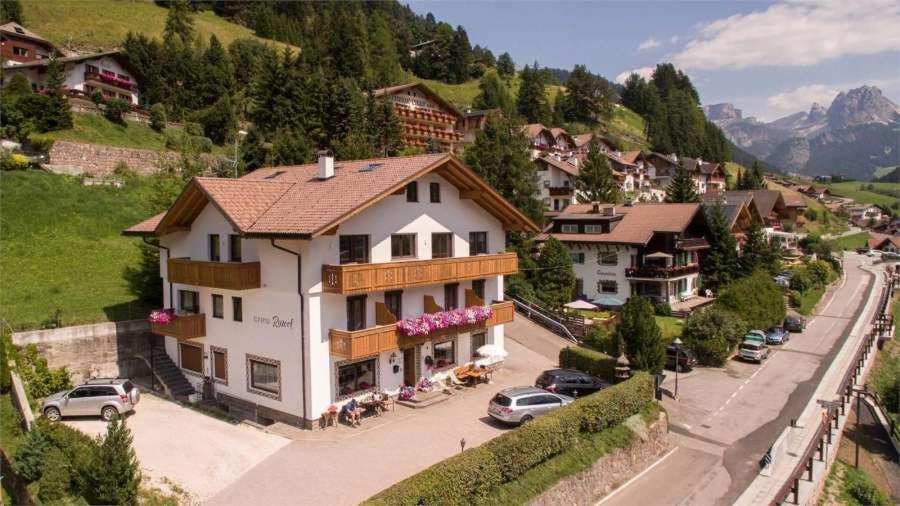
(170,375)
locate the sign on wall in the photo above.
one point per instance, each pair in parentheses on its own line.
(273,321)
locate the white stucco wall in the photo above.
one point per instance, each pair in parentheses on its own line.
(591,272)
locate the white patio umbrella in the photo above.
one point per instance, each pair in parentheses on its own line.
(580,304)
(491,350)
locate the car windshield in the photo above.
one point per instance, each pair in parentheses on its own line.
(750,346)
(502,400)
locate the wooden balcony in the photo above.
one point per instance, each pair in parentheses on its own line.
(653,272)
(189,326)
(560,191)
(351,345)
(349,279)
(224,275)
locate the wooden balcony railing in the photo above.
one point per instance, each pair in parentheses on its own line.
(351,345)
(661,272)
(189,326)
(561,191)
(225,275)
(362,278)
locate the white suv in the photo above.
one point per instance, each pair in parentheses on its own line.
(108,398)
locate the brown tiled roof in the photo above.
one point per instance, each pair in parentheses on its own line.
(877,240)
(639,222)
(145,227)
(581,140)
(631,156)
(293,201)
(564,166)
(532,130)
(793,199)
(17,30)
(425,90)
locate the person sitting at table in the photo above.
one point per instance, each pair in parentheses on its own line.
(352,411)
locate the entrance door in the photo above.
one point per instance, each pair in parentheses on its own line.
(409,366)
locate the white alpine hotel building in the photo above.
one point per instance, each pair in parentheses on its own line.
(288,282)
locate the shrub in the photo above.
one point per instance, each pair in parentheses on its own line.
(55,480)
(13,161)
(518,451)
(860,487)
(114,476)
(97,98)
(115,110)
(5,379)
(821,272)
(158,117)
(78,448)
(886,381)
(640,334)
(600,339)
(589,361)
(123,170)
(811,214)
(41,380)
(31,455)
(611,406)
(802,281)
(713,333)
(37,144)
(662,309)
(756,299)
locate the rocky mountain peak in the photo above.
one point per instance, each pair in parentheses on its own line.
(722,112)
(816,112)
(860,105)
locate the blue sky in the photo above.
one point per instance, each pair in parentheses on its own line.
(768,58)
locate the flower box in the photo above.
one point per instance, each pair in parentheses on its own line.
(428,323)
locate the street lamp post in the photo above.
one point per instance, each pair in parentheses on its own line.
(677,342)
(237,142)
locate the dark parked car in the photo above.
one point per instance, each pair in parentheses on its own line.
(794,324)
(687,359)
(777,335)
(569,382)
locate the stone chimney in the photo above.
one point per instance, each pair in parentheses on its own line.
(595,207)
(326,164)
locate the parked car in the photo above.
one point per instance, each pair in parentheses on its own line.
(756,336)
(862,251)
(518,405)
(794,324)
(782,281)
(107,397)
(777,335)
(570,382)
(687,359)
(754,351)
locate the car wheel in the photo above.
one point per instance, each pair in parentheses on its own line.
(109,413)
(525,419)
(53,414)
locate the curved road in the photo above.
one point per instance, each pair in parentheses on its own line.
(726,418)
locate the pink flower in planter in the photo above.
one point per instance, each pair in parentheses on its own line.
(162,316)
(428,323)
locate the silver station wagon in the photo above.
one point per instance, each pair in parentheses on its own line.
(108,398)
(519,405)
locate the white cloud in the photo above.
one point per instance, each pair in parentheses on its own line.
(648,44)
(801,98)
(795,33)
(645,72)
(674,39)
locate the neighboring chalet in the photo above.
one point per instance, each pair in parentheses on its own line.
(865,214)
(891,227)
(739,209)
(473,121)
(816,193)
(884,242)
(647,249)
(425,116)
(707,176)
(287,284)
(20,45)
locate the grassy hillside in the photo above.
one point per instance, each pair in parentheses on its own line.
(104,23)
(62,249)
(462,95)
(851,189)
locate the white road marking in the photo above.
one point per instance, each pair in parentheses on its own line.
(632,480)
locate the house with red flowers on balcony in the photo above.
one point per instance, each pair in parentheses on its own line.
(297,288)
(425,117)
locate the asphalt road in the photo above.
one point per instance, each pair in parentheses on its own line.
(726,418)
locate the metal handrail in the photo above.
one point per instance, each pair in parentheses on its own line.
(532,312)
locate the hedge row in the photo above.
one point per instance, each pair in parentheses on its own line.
(470,476)
(588,360)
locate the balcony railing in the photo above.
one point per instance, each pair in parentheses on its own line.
(224,275)
(110,80)
(351,279)
(351,345)
(560,191)
(188,326)
(661,272)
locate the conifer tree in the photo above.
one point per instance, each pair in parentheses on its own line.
(56,115)
(383,57)
(588,98)
(640,336)
(114,477)
(217,74)
(505,66)
(460,57)
(493,94)
(721,262)
(559,108)
(385,133)
(681,187)
(554,278)
(595,182)
(758,252)
(180,22)
(532,100)
(11,10)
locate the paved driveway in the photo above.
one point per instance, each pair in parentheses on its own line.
(198,453)
(348,469)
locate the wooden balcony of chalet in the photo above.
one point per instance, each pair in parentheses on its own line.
(187,326)
(349,279)
(224,275)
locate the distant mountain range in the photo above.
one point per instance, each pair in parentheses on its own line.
(858,133)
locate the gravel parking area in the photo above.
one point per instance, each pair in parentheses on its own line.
(198,453)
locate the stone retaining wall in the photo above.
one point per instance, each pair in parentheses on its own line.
(20,400)
(99,350)
(588,486)
(100,160)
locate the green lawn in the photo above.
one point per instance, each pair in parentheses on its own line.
(670,327)
(62,249)
(851,190)
(627,129)
(103,24)
(850,242)
(809,300)
(462,95)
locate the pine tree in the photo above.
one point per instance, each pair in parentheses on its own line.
(493,94)
(217,74)
(595,182)
(115,476)
(385,133)
(739,184)
(532,100)
(11,10)
(554,278)
(681,187)
(720,265)
(758,252)
(31,455)
(559,108)
(56,115)
(640,336)
(500,158)
(383,57)
(219,120)
(588,97)
(460,57)
(179,22)
(505,66)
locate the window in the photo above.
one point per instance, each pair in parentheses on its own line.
(237,309)
(608,286)
(123,77)
(356,312)
(478,243)
(577,258)
(569,228)
(234,248)
(579,288)
(220,364)
(264,376)
(478,340)
(546,183)
(20,51)
(608,258)
(356,377)
(354,248)
(434,190)
(445,354)
(189,302)
(478,288)
(191,357)
(441,245)
(451,296)
(214,248)
(547,202)
(218,306)
(394,302)
(91,69)
(403,246)
(412,192)
(593,229)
